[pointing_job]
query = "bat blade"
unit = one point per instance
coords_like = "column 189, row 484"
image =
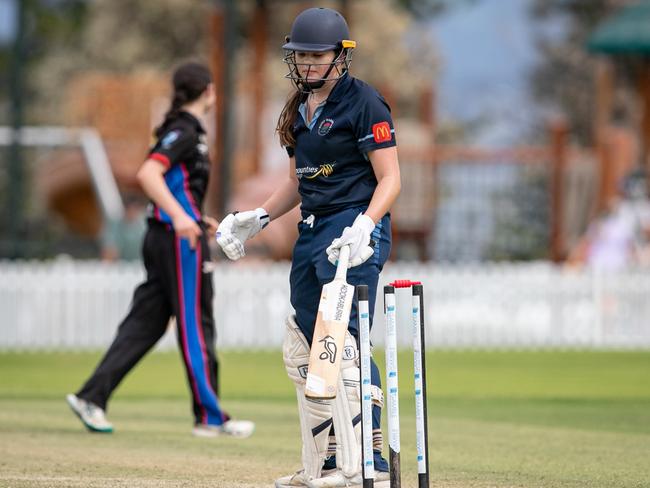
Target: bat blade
column 329, row 334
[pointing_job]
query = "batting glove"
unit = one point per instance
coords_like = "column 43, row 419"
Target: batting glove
column 236, row 228
column 358, row 238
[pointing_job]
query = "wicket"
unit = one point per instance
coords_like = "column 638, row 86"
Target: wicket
column 392, row 387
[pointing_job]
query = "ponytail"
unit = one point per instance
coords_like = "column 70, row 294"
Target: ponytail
column 179, row 99
column 190, row 80
column 288, row 118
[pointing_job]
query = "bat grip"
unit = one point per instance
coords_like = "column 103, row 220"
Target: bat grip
column 342, row 264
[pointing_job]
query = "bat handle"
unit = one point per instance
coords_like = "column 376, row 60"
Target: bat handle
column 342, row 264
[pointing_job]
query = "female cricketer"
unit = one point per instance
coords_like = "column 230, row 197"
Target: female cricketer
column 344, row 173
column 175, row 177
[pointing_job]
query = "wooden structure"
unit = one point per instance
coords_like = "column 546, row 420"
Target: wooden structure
column 99, row 100
column 624, row 36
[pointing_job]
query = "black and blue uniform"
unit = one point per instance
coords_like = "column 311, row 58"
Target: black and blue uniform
column 336, row 184
column 177, row 283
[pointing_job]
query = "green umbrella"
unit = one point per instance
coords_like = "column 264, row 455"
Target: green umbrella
column 625, row 32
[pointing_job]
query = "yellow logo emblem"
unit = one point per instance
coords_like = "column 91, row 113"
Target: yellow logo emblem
column 323, row 169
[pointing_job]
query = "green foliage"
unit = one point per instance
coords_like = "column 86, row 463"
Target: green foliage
column 46, row 21
column 47, row 25
column 5, row 58
column 429, row 8
column 522, row 221
column 565, row 78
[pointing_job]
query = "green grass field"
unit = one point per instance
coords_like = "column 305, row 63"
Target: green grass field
column 496, row 419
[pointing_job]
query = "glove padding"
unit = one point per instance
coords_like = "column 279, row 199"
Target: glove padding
column 236, row 228
column 358, row 238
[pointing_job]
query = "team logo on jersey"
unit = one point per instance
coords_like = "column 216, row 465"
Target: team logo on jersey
column 324, row 170
column 381, row 132
column 202, row 146
column 170, row 138
column 325, row 127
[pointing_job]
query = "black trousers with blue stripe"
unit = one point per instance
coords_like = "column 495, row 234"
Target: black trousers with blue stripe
column 175, row 286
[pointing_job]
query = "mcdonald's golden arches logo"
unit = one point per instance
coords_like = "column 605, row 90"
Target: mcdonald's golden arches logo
column 381, row 132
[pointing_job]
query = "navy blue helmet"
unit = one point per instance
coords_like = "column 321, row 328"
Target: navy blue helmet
column 318, row 30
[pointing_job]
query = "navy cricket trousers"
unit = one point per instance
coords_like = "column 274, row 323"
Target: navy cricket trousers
column 310, row 270
column 175, row 286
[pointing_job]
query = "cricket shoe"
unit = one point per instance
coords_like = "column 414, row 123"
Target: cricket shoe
column 233, row 428
column 92, row 416
column 299, row 478
column 337, row 479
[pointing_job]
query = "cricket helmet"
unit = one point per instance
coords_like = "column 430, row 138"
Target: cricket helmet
column 318, row 30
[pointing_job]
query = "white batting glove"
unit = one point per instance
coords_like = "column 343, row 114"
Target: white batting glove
column 230, row 245
column 358, row 238
column 237, row 228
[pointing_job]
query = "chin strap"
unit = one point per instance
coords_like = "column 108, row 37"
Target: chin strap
column 309, row 86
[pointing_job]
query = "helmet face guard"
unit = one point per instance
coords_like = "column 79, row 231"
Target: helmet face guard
column 318, row 30
column 340, row 64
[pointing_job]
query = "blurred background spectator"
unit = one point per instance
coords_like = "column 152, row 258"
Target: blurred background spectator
column 122, row 239
column 619, row 238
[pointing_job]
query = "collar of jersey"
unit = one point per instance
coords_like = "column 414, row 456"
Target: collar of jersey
column 193, row 120
column 340, row 88
column 302, row 108
column 335, row 96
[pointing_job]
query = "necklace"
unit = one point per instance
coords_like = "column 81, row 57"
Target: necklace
column 314, row 100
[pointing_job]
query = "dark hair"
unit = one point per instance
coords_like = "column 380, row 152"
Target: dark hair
column 190, row 80
column 288, row 118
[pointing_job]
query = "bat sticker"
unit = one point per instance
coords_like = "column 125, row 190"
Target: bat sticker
column 330, row 349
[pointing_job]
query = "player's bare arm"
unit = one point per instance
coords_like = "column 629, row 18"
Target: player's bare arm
column 386, row 167
column 211, row 223
column 236, row 229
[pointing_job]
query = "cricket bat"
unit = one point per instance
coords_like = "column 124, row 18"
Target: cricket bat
column 329, row 333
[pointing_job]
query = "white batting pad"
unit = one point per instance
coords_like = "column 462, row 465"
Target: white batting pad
column 347, row 408
column 315, row 415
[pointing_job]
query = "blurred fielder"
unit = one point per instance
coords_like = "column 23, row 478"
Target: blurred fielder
column 344, row 173
column 175, row 177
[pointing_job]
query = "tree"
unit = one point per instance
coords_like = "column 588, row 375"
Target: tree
column 521, row 227
column 565, row 78
column 46, row 22
column 427, row 8
column 120, row 36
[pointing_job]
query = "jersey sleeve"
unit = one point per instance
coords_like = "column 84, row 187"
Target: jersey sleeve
column 173, row 147
column 374, row 124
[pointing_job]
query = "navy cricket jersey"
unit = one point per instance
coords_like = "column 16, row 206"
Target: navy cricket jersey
column 183, row 150
column 332, row 166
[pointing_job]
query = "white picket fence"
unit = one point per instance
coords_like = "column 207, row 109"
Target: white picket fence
column 65, row 305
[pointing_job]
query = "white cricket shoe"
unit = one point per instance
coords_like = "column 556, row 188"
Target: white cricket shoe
column 337, row 479
column 299, row 478
column 382, row 479
column 233, row 428
column 90, row 414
